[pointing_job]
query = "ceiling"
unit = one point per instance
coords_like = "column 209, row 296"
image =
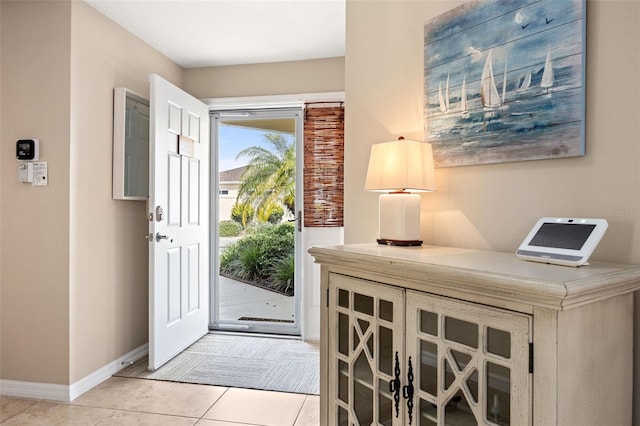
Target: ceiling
column 202, row 33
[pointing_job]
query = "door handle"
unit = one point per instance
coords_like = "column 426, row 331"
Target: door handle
column 162, row 237
column 407, row 391
column 298, row 219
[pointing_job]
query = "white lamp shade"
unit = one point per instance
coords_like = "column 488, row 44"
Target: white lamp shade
column 401, row 165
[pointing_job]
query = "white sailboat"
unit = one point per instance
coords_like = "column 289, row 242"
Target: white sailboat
column 526, row 82
column 444, row 99
column 547, row 75
column 443, row 107
column 488, row 91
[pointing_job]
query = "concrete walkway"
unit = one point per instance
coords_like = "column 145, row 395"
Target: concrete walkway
column 239, row 300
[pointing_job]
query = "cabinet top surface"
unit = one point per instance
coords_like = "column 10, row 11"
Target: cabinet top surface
column 494, row 274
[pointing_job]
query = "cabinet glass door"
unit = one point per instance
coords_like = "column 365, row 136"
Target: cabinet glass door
column 366, row 331
column 471, row 362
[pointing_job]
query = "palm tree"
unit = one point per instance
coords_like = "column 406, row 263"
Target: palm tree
column 269, row 179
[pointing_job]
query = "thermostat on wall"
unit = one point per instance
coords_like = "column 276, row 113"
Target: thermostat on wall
column 27, row 149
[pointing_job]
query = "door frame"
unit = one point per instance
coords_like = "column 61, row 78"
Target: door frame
column 216, row 118
column 310, row 302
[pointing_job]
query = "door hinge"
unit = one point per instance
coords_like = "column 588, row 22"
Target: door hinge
column 327, row 298
column 531, row 358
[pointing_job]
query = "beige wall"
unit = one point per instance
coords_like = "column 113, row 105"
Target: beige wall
column 34, row 277
column 108, row 252
column 73, row 261
column 494, row 206
column 279, row 78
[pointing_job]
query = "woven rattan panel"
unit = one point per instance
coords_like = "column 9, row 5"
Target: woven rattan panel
column 324, row 167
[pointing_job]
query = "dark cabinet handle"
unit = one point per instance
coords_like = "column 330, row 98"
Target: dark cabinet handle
column 407, row 390
column 394, row 385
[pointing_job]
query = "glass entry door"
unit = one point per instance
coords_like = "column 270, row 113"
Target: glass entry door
column 256, row 222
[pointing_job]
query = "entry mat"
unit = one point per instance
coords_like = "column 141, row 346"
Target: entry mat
column 241, row 361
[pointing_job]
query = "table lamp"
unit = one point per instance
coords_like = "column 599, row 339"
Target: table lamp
column 400, row 168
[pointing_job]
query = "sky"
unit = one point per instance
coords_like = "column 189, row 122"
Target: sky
column 233, row 140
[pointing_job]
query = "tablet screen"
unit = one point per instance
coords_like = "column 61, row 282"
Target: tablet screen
column 562, row 235
column 564, row 241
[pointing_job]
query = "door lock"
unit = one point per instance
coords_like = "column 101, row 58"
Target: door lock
column 159, row 213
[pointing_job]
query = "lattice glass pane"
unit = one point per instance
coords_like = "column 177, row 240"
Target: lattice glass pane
column 363, row 304
column 385, row 311
column 363, row 403
column 461, row 331
column 370, row 346
column 458, row 412
column 385, row 350
column 343, row 417
column 466, row 355
column 343, row 334
column 362, row 369
column 498, row 398
column 343, row 298
column 461, row 359
column 428, row 413
column 429, row 322
column 429, row 367
column 343, row 381
column 449, row 376
column 472, row 385
column 385, row 404
column 499, row 342
column 364, row 325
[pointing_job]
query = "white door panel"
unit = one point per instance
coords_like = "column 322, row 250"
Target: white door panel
column 179, row 250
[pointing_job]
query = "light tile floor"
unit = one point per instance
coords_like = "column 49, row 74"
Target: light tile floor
column 125, row 401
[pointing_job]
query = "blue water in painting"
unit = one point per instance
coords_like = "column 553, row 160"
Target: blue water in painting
column 532, row 123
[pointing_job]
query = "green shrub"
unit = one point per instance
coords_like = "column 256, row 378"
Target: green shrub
column 265, row 256
column 242, row 213
column 272, row 214
column 229, row 228
column 275, row 215
column 282, row 273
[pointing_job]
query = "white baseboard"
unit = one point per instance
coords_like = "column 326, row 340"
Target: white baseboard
column 67, row 393
column 46, row 391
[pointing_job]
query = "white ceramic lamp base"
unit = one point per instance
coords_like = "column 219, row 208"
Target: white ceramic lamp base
column 400, row 219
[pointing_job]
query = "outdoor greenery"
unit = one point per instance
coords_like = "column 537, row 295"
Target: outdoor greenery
column 243, row 214
column 269, row 180
column 229, row 228
column 264, row 257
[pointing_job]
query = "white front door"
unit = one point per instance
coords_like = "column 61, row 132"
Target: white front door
column 178, row 230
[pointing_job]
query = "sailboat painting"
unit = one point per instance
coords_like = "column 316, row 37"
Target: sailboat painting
column 504, row 81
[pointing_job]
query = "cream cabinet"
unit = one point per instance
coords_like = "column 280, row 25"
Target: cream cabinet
column 445, row 336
